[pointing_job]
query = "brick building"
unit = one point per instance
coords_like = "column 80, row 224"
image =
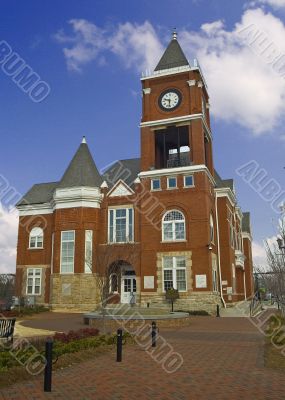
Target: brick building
column 145, row 225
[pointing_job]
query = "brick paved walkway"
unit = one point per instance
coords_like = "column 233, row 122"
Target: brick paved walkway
column 223, row 359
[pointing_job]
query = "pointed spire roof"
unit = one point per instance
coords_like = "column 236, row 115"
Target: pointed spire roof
column 173, row 56
column 82, row 170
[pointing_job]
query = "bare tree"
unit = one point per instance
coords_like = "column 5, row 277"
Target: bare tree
column 106, row 262
column 275, row 274
column 7, row 287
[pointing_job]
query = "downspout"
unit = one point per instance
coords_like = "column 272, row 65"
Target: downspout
column 219, row 257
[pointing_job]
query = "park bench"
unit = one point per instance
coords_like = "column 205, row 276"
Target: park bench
column 7, row 326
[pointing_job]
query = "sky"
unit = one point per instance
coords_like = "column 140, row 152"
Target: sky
column 89, row 55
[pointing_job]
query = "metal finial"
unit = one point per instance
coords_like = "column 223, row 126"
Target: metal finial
column 83, row 139
column 174, row 34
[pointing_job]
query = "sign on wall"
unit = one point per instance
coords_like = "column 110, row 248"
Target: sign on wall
column 201, row 281
column 148, row 282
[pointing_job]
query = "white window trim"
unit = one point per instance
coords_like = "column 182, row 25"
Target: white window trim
column 87, row 269
column 36, row 236
column 173, row 222
column 184, row 181
column 72, row 272
column 114, row 208
column 172, row 188
column 174, row 275
column 212, row 229
column 152, row 188
column 34, row 280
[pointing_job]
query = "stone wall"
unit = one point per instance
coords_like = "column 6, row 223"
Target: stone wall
column 75, row 291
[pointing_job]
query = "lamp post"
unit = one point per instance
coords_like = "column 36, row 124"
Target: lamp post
column 281, row 246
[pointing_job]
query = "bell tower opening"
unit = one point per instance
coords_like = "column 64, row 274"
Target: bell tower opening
column 172, row 147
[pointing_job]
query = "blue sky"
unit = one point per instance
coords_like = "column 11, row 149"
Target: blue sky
column 91, row 54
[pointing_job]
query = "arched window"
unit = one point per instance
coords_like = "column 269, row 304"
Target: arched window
column 212, row 231
column 36, row 238
column 173, row 226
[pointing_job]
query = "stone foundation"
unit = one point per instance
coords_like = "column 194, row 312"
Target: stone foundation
column 206, row 301
column 74, row 291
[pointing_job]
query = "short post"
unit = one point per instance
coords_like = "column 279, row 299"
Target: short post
column 48, row 367
column 119, row 345
column 153, row 334
column 218, row 310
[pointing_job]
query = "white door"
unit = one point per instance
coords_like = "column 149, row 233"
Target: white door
column 129, row 288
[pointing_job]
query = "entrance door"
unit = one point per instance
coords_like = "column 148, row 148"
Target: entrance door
column 129, row 289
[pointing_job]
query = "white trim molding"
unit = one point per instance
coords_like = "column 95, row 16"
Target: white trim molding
column 226, row 192
column 120, row 189
column 246, row 235
column 77, row 197
column 147, row 91
column 35, row 209
column 177, row 171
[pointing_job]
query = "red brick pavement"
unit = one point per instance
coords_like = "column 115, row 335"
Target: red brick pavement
column 223, row 359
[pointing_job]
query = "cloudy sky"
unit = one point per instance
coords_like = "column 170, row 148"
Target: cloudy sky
column 91, row 54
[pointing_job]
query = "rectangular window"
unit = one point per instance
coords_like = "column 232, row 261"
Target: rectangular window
column 214, row 275
column 171, row 183
column 155, row 184
column 174, row 273
column 67, row 252
column 34, row 279
column 188, row 181
column 121, row 225
column 88, row 251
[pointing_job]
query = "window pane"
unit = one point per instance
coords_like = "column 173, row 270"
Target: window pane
column 111, row 226
column 30, row 290
column 180, row 262
column 174, row 216
column 37, row 289
column 179, row 230
column 168, row 279
column 32, row 242
column 168, row 262
column 155, row 184
column 172, row 182
column 188, row 180
column 167, row 231
column 181, row 279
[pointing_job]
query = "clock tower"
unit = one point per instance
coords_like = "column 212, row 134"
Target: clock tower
column 177, row 170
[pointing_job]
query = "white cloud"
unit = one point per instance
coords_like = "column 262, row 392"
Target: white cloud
column 243, row 86
column 272, row 3
column 138, row 46
column 259, row 254
column 8, row 239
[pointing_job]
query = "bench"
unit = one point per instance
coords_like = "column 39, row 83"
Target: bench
column 7, row 326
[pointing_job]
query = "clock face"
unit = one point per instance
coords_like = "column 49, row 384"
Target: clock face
column 169, row 99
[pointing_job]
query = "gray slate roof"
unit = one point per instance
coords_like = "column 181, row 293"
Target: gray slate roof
column 127, row 170
column 82, row 170
column 223, row 183
column 39, row 194
column 172, row 57
column 246, row 222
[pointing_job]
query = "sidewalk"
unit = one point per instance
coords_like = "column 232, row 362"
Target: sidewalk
column 223, row 359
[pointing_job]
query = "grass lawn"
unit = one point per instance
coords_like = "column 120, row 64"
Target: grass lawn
column 275, row 343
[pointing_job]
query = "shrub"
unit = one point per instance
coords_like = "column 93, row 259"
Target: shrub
column 76, row 335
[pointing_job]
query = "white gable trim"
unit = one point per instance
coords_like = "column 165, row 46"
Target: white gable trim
column 120, row 189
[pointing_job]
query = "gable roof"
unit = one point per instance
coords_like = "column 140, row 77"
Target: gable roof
column 172, row 57
column 223, row 183
column 127, row 170
column 246, row 222
column 82, row 170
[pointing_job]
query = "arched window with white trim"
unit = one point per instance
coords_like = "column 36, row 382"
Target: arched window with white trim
column 36, row 238
column 173, row 226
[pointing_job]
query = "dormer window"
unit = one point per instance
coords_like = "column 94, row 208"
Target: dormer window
column 36, row 240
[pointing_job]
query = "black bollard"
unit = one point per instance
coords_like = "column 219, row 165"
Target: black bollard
column 218, row 310
column 153, row 334
column 48, row 367
column 119, row 345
